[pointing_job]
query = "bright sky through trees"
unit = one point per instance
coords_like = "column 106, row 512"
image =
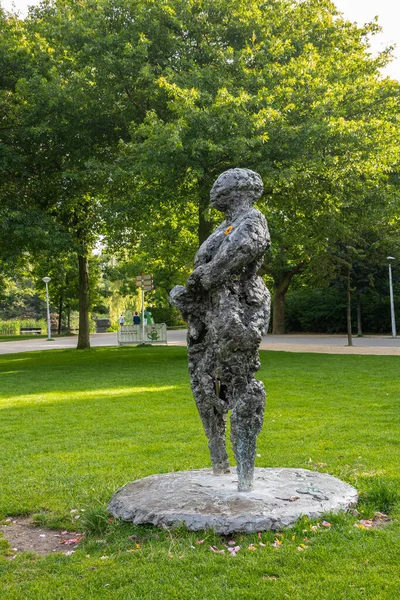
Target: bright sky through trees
column 362, row 11
column 388, row 12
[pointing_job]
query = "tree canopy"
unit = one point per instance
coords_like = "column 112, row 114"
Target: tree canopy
column 119, row 115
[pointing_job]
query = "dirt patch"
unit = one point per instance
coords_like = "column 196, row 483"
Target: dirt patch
column 25, row 537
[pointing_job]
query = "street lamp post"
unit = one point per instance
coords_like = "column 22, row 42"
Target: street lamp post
column 46, row 280
column 390, row 258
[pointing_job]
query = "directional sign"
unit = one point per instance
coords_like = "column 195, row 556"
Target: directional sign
column 145, row 281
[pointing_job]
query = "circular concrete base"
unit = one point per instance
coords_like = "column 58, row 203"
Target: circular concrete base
column 202, row 500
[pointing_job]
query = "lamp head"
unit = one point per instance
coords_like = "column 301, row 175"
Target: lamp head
column 390, row 258
column 46, row 279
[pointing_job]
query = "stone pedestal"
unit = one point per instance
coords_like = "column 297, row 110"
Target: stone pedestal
column 202, row 500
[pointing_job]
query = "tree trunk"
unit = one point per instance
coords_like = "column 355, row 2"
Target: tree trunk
column 68, row 319
column 83, row 337
column 349, row 333
column 359, row 322
column 205, row 224
column 60, row 309
column 281, row 286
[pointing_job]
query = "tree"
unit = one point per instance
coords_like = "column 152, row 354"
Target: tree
column 289, row 90
column 91, row 74
column 131, row 110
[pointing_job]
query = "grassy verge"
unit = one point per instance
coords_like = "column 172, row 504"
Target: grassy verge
column 77, row 425
column 18, row 338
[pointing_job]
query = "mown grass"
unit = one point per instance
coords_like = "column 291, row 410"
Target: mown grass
column 19, row 338
column 77, row 425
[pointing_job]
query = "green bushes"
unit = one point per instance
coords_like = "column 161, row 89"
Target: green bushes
column 323, row 310
column 12, row 327
column 166, row 314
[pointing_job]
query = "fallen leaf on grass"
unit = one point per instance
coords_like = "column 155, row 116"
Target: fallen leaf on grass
column 366, row 522
column 216, row 551
column 199, row 542
column 71, row 541
column 377, row 521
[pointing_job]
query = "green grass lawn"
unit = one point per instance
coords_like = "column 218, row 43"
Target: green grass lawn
column 19, row 338
column 77, row 425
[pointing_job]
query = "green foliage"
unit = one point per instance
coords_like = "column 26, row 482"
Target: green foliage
column 316, row 310
column 168, row 315
column 323, row 310
column 20, row 299
column 13, row 326
column 122, row 117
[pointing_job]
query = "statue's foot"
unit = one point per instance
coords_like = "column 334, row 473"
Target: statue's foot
column 245, row 486
column 245, row 479
column 221, row 469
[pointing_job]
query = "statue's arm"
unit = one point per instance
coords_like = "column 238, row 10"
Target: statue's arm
column 247, row 242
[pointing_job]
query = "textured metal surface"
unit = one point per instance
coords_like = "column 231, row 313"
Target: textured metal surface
column 227, row 307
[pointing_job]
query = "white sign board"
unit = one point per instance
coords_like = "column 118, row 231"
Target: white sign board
column 132, row 334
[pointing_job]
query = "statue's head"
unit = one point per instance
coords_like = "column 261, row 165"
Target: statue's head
column 236, row 187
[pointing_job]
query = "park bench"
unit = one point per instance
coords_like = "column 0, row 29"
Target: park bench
column 34, row 330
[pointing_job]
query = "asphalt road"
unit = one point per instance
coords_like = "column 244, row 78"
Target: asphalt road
column 329, row 344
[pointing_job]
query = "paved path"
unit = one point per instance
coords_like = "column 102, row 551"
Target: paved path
column 332, row 344
column 328, row 344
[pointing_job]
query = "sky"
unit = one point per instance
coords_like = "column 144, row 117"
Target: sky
column 362, row 11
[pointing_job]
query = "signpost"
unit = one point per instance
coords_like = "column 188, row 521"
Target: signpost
column 46, row 280
column 146, row 283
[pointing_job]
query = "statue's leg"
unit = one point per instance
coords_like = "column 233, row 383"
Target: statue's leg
column 214, row 423
column 213, row 415
column 246, row 422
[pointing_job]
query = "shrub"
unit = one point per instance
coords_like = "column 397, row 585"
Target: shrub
column 13, row 326
column 323, row 310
